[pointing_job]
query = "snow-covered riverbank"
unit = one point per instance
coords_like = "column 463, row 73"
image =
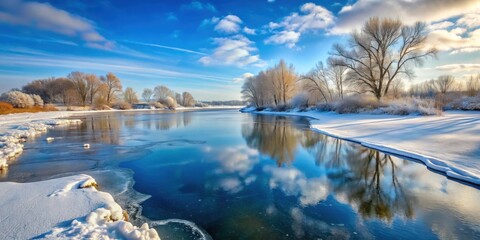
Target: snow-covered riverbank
column 63, row 208
column 449, row 143
column 66, row 208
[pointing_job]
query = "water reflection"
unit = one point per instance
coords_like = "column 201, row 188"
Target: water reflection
column 277, row 139
column 364, row 178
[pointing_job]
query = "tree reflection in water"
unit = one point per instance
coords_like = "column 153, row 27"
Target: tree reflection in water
column 273, row 136
column 365, row 178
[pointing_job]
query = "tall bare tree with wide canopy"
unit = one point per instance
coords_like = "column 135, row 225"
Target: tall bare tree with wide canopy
column 381, row 52
column 113, row 85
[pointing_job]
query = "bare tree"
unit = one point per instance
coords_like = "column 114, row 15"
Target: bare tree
column 178, row 98
column 473, row 85
column 130, row 96
column 337, row 74
column 188, row 100
column 147, row 94
column 286, row 78
column 317, row 82
column 162, row 92
column 382, row 52
column 444, row 83
column 113, row 85
column 250, row 91
column 80, row 85
column 93, row 86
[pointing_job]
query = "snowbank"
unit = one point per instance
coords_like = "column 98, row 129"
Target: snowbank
column 449, row 143
column 65, row 208
column 11, row 143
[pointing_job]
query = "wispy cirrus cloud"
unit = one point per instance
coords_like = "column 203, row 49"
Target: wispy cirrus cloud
column 198, row 6
column 164, row 47
column 459, row 67
column 46, row 17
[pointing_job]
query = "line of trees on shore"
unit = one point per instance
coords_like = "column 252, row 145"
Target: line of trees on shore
column 84, row 89
column 376, row 62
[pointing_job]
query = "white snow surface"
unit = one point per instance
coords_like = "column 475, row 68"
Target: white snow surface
column 62, row 209
column 449, row 143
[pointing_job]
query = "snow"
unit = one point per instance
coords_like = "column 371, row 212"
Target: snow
column 11, row 143
column 449, row 143
column 64, row 208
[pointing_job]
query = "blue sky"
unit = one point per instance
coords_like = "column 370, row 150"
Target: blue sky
column 208, row 47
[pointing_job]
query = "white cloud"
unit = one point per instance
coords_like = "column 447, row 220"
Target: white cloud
column 440, row 25
column 471, row 20
column 353, row 16
column 456, row 40
column 229, row 24
column 459, row 67
column 243, row 77
column 45, row 17
column 310, row 191
column 289, row 38
column 249, row 31
column 199, row 6
column 311, row 18
column 235, row 50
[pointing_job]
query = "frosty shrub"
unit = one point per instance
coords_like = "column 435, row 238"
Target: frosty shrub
column 464, row 103
column 37, row 100
column 158, row 105
column 409, row 106
column 356, row 104
column 299, row 101
column 18, row 99
column 363, row 104
column 169, row 102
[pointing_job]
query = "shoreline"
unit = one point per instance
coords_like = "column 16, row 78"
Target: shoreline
column 448, row 144
column 88, row 219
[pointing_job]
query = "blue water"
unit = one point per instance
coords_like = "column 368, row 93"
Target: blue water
column 228, row 175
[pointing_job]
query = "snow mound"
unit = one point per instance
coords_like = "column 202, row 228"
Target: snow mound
column 103, row 224
column 11, row 143
column 64, row 208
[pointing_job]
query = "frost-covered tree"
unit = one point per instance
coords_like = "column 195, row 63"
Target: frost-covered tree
column 37, row 100
column 188, row 100
column 18, row 99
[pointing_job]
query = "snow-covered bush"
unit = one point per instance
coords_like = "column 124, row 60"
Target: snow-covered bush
column 464, row 103
column 169, row 102
column 409, row 106
column 158, row 105
column 404, row 106
column 356, row 104
column 325, row 107
column 18, row 99
column 37, row 100
column 299, row 101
